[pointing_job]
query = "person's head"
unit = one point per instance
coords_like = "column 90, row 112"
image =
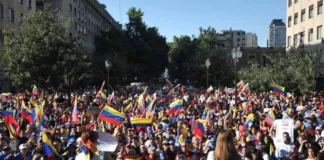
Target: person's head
column 89, row 137
column 225, row 148
column 286, row 137
column 23, row 149
column 5, row 150
column 311, row 152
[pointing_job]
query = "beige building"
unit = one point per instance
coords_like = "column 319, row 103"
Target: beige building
column 305, row 22
column 237, row 37
column 251, row 40
column 89, row 18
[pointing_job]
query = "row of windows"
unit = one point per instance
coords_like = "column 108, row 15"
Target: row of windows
column 28, row 3
column 290, row 2
column 319, row 35
column 303, row 14
column 11, row 15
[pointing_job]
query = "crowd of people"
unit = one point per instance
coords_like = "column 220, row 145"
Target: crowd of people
column 179, row 123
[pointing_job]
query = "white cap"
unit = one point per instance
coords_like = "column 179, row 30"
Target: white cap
column 23, row 146
column 79, row 139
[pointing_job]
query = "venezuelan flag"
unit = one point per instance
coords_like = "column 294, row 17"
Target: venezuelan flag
column 111, row 116
column 36, row 91
column 11, row 123
column 27, row 113
column 129, row 108
column 277, row 89
column 291, row 112
column 246, row 88
column 139, row 123
column 240, row 85
column 175, row 107
column 249, row 120
column 159, row 96
column 170, row 95
column 75, row 111
column 141, row 104
column 199, row 128
column 103, row 98
column 270, row 117
column 149, row 110
column 247, row 105
column 49, row 149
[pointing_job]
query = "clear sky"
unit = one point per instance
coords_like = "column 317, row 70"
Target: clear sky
column 184, row 17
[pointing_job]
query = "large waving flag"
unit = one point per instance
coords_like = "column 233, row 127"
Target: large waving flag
column 103, row 98
column 277, row 89
column 49, row 149
column 249, row 120
column 139, row 123
column 246, row 105
column 129, row 108
column 75, row 111
column 175, row 107
column 27, row 113
column 36, row 91
column 240, row 85
column 170, row 95
column 11, row 124
column 111, row 116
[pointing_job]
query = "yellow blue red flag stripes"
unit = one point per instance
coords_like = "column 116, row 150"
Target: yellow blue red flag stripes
column 36, row 91
column 27, row 113
column 49, row 149
column 240, row 85
column 169, row 96
column 175, row 107
column 277, row 89
column 111, row 116
column 139, row 123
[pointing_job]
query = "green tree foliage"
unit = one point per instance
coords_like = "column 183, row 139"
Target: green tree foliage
column 295, row 71
column 35, row 54
column 188, row 55
column 136, row 51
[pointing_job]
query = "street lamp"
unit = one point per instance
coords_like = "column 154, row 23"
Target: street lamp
column 236, row 55
column 108, row 66
column 69, row 58
column 207, row 63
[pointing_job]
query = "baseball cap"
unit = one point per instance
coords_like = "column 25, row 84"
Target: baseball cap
column 23, row 146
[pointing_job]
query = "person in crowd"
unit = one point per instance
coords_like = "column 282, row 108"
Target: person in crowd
column 225, row 147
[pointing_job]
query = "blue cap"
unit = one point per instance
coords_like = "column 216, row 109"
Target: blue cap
column 211, row 145
column 72, row 141
column 212, row 139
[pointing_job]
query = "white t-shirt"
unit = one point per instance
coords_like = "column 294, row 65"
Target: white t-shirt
column 210, row 155
column 282, row 149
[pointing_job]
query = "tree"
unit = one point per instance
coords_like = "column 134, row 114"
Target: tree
column 295, row 70
column 189, row 54
column 136, row 51
column 35, row 54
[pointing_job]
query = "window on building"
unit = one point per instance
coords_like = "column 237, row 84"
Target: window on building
column 75, row 25
column 20, row 16
column 319, row 32
column 289, row 3
column 289, row 21
column 289, row 41
column 302, row 16
column 11, row 15
column 20, row 1
column 295, row 39
column 1, row 10
column 70, row 8
column 79, row 14
column 296, row 18
column 238, row 33
column 311, row 11
column 238, row 39
column 296, row 1
column 302, row 37
column 75, row 12
column 251, row 59
column 310, row 35
column 28, row 3
column 320, row 7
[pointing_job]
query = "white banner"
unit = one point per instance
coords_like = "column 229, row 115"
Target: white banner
column 107, row 142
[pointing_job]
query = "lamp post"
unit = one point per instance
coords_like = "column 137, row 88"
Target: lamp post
column 108, row 66
column 69, row 58
column 236, row 55
column 207, row 63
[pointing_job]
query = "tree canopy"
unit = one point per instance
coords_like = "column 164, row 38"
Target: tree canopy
column 295, row 71
column 188, row 56
column 136, row 51
column 36, row 53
